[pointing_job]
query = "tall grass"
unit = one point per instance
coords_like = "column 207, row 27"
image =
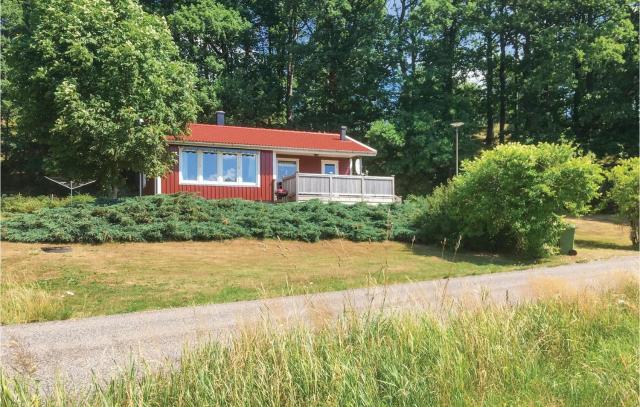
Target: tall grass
column 578, row 351
column 26, row 302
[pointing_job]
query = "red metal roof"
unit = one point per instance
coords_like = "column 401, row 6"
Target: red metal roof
column 273, row 139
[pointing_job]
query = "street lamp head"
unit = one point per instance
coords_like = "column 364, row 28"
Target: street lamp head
column 457, row 124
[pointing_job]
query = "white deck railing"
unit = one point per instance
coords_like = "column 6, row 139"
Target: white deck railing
column 340, row 188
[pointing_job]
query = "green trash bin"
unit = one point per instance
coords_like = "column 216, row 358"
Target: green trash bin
column 566, row 239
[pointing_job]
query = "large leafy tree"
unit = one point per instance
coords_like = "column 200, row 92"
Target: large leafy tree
column 533, row 71
column 576, row 73
column 208, row 35
column 99, row 85
column 267, row 70
column 346, row 67
column 18, row 162
column 10, row 26
column 434, row 90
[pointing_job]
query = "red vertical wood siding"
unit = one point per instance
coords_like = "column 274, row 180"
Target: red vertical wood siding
column 263, row 192
column 313, row 164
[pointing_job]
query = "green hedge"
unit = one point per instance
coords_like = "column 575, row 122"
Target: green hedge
column 188, row 217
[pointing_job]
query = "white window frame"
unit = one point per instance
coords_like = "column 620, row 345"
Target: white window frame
column 257, row 155
column 335, row 162
column 220, row 170
column 198, row 166
column 285, row 159
column 201, row 167
column 220, row 152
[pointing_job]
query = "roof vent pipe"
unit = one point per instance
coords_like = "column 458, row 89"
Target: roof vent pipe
column 343, row 133
column 220, row 118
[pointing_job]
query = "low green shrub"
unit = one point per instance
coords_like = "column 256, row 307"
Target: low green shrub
column 513, row 198
column 188, row 217
column 625, row 193
column 30, row 204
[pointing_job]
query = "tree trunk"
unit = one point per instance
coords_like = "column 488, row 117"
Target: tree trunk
column 516, row 80
column 292, row 36
column 525, row 100
column 450, row 44
column 577, row 100
column 400, row 40
column 289, row 93
column 502, row 74
column 489, row 84
column 634, row 232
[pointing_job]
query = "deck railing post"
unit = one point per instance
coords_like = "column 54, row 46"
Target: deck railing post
column 330, row 186
column 393, row 185
column 362, row 188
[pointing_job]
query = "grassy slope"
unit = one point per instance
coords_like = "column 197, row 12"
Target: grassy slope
column 601, row 232
column 115, row 278
column 577, row 350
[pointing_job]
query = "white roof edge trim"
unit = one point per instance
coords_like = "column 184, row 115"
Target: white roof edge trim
column 284, row 150
column 363, row 145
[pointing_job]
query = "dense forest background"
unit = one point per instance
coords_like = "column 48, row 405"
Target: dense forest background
column 398, row 72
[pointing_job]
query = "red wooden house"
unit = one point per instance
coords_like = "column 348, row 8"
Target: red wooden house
column 218, row 161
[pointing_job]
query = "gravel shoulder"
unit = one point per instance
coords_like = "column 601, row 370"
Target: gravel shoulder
column 76, row 350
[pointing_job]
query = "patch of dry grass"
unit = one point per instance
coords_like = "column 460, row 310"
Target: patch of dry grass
column 23, row 301
column 551, row 287
column 604, row 232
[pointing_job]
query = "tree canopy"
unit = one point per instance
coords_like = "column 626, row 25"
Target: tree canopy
column 98, row 85
column 396, row 72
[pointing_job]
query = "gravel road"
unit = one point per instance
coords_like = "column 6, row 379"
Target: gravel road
column 74, row 350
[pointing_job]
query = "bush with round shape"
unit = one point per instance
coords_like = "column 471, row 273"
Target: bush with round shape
column 513, row 198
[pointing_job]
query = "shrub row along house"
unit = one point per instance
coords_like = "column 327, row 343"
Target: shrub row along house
column 218, row 161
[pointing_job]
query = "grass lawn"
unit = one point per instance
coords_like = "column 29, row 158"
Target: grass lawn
column 116, row 278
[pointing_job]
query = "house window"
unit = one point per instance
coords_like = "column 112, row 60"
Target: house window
column 249, row 171
column 211, row 166
column 189, row 161
column 229, row 167
column 329, row 167
column 286, row 168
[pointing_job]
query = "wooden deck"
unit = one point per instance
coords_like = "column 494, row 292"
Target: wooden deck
column 340, row 188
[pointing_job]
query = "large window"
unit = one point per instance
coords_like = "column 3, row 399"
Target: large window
column 218, row 166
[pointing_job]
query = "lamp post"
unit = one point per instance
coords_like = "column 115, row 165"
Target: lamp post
column 457, row 125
